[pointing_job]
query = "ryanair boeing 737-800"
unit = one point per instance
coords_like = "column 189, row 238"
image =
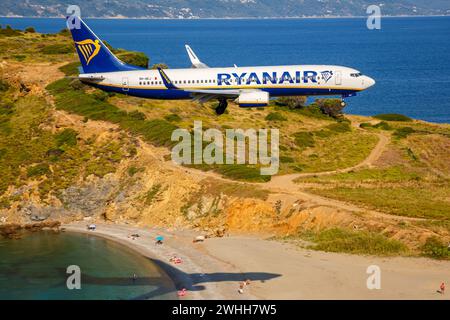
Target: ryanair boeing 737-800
column 247, row 86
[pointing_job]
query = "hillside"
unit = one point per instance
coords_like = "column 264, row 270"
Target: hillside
column 221, row 8
column 72, row 153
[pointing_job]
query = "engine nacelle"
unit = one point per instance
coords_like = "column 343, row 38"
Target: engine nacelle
column 253, row 99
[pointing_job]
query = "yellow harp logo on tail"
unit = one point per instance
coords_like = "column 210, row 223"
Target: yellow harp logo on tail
column 89, row 49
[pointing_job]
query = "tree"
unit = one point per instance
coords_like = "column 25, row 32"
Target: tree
column 295, row 102
column 330, row 107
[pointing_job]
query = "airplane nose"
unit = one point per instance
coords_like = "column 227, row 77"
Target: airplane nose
column 369, row 82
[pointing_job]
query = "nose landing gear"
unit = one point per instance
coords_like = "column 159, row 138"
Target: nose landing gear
column 222, row 106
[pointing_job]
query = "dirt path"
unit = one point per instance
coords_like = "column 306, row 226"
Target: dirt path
column 284, row 188
column 287, row 181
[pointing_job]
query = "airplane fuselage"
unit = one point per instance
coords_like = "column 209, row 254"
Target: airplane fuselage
column 305, row 80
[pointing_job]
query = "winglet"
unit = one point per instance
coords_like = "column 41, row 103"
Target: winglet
column 196, row 63
column 167, row 82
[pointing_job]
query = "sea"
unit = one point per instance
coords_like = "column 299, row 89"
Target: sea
column 36, row 267
column 408, row 57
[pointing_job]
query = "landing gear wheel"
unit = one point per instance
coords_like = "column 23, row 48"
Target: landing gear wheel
column 221, row 107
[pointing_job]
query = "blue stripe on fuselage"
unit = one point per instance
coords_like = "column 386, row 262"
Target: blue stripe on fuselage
column 170, row 94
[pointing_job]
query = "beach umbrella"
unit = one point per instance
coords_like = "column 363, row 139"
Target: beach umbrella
column 159, row 238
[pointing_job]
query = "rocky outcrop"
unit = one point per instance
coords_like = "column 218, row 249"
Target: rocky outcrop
column 14, row 230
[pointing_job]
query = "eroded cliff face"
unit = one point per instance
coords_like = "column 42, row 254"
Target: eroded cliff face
column 119, row 178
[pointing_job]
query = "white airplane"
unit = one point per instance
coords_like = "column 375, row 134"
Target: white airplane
column 247, row 86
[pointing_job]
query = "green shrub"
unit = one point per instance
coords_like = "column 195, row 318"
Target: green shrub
column 284, row 159
column 356, row 242
column 70, row 69
column 403, row 132
column 66, row 137
column 173, row 117
column 365, row 125
column 9, row 32
column 339, row 127
column 242, row 172
column 100, row 95
column 393, row 117
column 4, row 86
column 275, row 116
column 30, row 30
column 64, row 32
column 435, row 248
column 99, row 168
column 152, row 193
column 133, row 170
column 57, row 49
column 411, row 154
column 292, row 102
column 5, row 203
column 134, row 58
column 304, row 139
column 383, row 125
column 324, row 133
column 19, row 57
column 137, row 115
column 38, row 170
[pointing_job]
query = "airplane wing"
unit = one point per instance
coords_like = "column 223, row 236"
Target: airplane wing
column 202, row 95
column 196, row 63
column 216, row 92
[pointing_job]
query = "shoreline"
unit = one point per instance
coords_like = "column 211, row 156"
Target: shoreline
column 233, row 18
column 277, row 270
column 187, row 275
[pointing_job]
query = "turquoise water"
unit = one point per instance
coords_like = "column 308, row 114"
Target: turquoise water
column 409, row 57
column 34, row 267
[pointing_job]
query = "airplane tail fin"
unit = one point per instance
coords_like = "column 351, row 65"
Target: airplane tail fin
column 95, row 57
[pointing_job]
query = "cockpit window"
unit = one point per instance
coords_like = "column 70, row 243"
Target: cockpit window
column 356, row 75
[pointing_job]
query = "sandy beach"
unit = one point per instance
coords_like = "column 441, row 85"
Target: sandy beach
column 214, row 268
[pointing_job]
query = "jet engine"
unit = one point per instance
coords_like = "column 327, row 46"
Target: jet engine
column 253, row 99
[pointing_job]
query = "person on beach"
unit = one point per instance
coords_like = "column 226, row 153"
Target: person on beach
column 241, row 287
column 442, row 288
column 134, row 277
column 182, row 292
column 159, row 240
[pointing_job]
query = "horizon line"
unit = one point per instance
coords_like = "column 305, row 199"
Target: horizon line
column 228, row 18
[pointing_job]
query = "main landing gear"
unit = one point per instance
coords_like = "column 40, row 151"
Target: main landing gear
column 222, row 106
